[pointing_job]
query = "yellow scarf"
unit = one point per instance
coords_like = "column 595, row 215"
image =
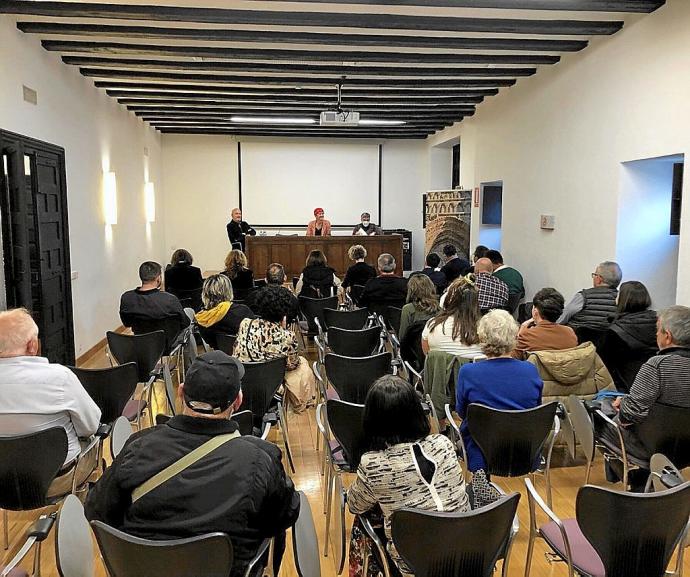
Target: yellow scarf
column 212, row 316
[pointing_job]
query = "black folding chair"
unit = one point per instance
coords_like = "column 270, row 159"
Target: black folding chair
column 356, row 292
column 312, row 309
column 226, row 343
column 351, row 320
column 189, row 298
column 260, row 385
column 352, row 377
column 617, row 534
column 354, row 343
column 210, row 555
column 392, row 317
column 305, row 543
column 171, row 326
column 471, row 545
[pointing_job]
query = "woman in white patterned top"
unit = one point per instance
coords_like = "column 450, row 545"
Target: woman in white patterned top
column 407, row 467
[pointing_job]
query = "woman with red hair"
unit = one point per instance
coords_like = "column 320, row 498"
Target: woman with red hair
column 319, row 226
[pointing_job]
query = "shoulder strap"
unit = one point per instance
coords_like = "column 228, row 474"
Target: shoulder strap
column 180, row 465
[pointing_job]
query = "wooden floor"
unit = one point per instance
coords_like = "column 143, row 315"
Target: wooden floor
column 566, row 479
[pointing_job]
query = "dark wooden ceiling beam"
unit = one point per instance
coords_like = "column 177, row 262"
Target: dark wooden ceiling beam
column 639, row 6
column 301, row 68
column 320, row 19
column 292, row 111
column 322, row 103
column 289, row 113
column 181, row 99
column 293, row 80
column 267, row 36
column 314, row 128
column 279, row 134
column 328, row 92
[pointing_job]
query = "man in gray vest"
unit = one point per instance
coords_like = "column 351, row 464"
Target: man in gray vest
column 595, row 307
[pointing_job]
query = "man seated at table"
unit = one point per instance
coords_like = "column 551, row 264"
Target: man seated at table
column 366, row 227
column 385, row 290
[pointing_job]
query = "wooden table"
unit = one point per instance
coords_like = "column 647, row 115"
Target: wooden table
column 292, row 251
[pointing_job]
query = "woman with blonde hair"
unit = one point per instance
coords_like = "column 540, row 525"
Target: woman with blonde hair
column 454, row 329
column 422, row 303
column 240, row 276
column 500, row 382
column 219, row 314
column 360, row 272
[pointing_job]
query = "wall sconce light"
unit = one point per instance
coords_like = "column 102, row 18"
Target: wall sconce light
column 150, row 202
column 110, row 197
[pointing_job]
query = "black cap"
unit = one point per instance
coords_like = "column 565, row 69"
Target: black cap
column 213, row 382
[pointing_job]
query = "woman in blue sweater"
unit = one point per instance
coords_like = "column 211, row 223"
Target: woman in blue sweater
column 500, row 382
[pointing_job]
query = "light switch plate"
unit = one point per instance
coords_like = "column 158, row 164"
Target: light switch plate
column 547, row 221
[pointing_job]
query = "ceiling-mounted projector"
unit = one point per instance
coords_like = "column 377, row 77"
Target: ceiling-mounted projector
column 339, row 118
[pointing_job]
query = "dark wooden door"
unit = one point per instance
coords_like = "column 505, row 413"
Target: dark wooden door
column 38, row 276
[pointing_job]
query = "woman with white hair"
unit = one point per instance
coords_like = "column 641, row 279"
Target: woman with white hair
column 500, row 382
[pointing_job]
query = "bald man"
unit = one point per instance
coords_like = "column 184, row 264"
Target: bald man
column 238, row 229
column 35, row 394
column 493, row 292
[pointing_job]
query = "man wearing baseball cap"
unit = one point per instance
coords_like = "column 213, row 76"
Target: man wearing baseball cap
column 227, row 483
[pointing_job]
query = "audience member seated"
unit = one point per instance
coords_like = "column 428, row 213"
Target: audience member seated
column 455, row 266
column 493, row 292
column 148, row 303
column 406, row 465
column 275, row 277
column 360, row 272
column 181, row 278
column 220, row 314
column 433, row 271
column 479, row 252
column 36, row 395
column 664, row 378
column 542, row 332
column 318, row 280
column 454, row 329
column 631, row 339
column 422, row 303
column 267, row 337
column 594, row 308
column 510, row 276
column 240, row 276
column 387, row 289
column 500, row 382
column 238, row 488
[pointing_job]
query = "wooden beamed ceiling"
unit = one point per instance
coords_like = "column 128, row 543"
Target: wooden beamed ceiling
column 194, row 66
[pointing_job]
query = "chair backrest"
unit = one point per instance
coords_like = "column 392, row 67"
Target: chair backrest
column 191, row 297
column 260, row 283
column 511, row 441
column 245, row 421
column 666, row 430
column 352, row 377
column 225, row 343
column 590, row 334
column 471, row 542
column 633, row 533
column 144, row 350
column 381, row 307
column 359, row 343
column 109, row 388
column 311, row 308
column 28, row 464
column 74, row 544
column 345, row 422
column 171, row 326
column 259, row 384
column 352, row 320
column 582, row 425
column 305, row 543
column 411, row 346
column 392, row 317
column 356, row 292
column 210, row 555
column 122, row 430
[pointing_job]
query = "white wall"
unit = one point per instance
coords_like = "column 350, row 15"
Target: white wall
column 557, row 142
column 200, row 179
column 97, row 134
column 645, row 249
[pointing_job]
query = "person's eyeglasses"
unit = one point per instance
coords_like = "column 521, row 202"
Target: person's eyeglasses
column 596, row 274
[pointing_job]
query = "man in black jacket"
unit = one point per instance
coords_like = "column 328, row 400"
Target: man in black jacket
column 238, row 229
column 385, row 290
column 240, row 488
column 455, row 266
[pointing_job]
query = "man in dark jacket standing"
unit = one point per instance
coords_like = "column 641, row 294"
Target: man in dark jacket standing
column 238, row 488
column 238, row 229
column 455, row 266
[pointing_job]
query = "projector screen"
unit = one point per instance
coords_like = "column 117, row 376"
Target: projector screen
column 282, row 183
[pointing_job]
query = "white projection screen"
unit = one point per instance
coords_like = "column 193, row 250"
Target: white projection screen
column 282, row 183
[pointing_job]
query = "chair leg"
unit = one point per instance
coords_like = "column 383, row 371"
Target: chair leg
column 37, row 561
column 5, row 529
column 530, row 553
column 329, row 499
column 589, row 470
column 283, row 431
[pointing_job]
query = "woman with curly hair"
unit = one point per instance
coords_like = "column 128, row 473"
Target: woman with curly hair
column 267, row 337
column 240, row 276
column 360, row 272
column 220, row 314
column 422, row 302
column 501, row 381
column 454, row 329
